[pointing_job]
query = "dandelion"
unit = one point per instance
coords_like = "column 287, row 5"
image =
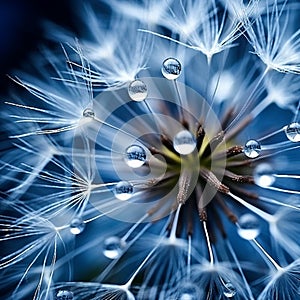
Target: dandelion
column 273, row 40
column 153, row 156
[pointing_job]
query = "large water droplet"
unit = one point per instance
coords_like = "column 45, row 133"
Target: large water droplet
column 137, row 90
column 264, row 175
column 123, row 190
column 252, row 149
column 88, row 113
column 292, row 132
column 229, row 290
column 184, row 142
column 64, row 295
column 188, row 291
column 113, row 247
column 171, row 68
column 135, row 156
column 77, row 226
column 249, row 227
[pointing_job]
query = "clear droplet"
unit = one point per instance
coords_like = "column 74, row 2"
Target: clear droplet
column 249, row 227
column 77, row 225
column 123, row 190
column 264, row 175
column 188, row 291
column 252, row 149
column 171, row 68
column 135, row 156
column 88, row 113
column 137, row 90
column 292, row 132
column 229, row 290
column 64, row 295
column 184, row 142
column 113, row 247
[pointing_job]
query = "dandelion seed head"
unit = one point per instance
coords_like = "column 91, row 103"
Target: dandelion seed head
column 283, row 284
column 215, row 282
column 154, row 151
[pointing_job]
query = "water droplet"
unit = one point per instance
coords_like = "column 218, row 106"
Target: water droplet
column 113, row 247
column 77, row 226
column 188, row 291
column 135, row 156
column 292, row 132
column 229, row 290
column 123, row 190
column 137, row 90
column 184, row 142
column 249, row 227
column 64, row 295
column 88, row 113
column 171, row 68
column 263, row 175
column 252, row 149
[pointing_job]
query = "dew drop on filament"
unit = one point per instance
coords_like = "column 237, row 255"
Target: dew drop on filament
column 77, row 226
column 113, row 247
column 292, row 132
column 123, row 190
column 64, row 295
column 263, row 175
column 135, row 156
column 249, row 227
column 252, row 149
column 171, row 68
column 184, row 142
column 229, row 290
column 188, row 291
column 88, row 113
column 137, row 90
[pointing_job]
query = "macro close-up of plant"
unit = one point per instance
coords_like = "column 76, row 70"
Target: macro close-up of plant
column 154, row 154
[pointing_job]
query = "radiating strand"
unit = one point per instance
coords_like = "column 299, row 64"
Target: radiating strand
column 268, row 257
column 256, row 210
column 232, row 252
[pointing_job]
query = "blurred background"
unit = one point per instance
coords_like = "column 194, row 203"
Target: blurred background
column 21, row 30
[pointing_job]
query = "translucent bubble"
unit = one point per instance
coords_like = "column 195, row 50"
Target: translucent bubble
column 252, row 149
column 292, row 132
column 263, row 175
column 88, row 113
column 229, row 290
column 222, row 85
column 137, row 90
column 64, row 295
column 135, row 156
column 123, row 190
column 171, row 68
column 77, row 226
column 249, row 227
column 184, row 142
column 113, row 247
column 188, row 291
